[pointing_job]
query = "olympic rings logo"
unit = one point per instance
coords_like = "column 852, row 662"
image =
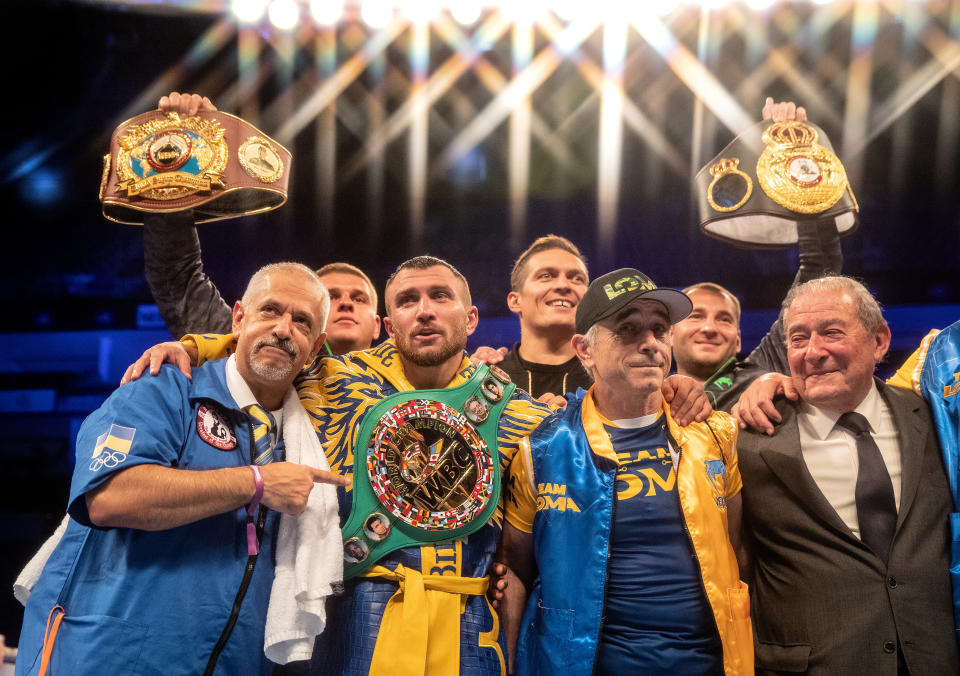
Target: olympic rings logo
column 107, row 459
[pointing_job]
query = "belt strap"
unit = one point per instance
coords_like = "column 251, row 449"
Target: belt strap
column 420, row 631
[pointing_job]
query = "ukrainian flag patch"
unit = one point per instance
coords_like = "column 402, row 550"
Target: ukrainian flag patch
column 112, row 447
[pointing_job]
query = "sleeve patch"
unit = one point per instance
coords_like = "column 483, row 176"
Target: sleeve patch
column 112, row 447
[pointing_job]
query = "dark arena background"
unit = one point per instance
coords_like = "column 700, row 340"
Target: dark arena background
column 459, row 129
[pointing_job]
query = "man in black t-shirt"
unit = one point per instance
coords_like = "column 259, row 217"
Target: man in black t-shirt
column 706, row 343
column 550, row 276
column 546, row 284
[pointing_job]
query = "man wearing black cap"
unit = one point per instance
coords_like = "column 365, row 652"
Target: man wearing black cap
column 624, row 513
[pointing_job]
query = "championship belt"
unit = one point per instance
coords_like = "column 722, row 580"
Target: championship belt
column 432, row 468
column 768, row 179
column 212, row 162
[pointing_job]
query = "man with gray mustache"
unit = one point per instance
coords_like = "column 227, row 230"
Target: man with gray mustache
column 167, row 563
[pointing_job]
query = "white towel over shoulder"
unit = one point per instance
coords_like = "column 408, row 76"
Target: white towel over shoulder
column 31, row 572
column 309, row 551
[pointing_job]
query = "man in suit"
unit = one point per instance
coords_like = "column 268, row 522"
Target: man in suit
column 845, row 505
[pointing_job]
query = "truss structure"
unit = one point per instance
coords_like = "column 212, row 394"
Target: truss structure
column 611, row 106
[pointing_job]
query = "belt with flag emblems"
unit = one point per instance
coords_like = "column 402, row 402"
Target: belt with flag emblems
column 432, row 469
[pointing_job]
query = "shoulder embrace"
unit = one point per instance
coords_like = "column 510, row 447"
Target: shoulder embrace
column 157, row 398
column 522, row 403
column 169, row 378
column 722, row 419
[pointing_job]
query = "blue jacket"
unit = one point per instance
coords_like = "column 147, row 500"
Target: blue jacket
column 940, row 385
column 154, row 602
column 575, row 470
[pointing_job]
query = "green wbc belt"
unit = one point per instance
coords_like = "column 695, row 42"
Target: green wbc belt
column 432, row 468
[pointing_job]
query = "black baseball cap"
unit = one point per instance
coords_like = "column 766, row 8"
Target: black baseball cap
column 615, row 290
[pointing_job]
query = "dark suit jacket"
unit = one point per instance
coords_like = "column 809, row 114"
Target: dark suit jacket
column 823, row 603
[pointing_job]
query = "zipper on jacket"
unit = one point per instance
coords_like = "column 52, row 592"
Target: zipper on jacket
column 244, row 585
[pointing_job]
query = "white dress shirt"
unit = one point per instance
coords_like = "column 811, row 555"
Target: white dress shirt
column 241, row 394
column 830, row 452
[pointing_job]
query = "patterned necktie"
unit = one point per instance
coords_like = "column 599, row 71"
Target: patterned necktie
column 263, row 424
column 876, row 506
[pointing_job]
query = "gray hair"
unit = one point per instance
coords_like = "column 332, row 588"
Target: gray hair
column 590, row 337
column 260, row 278
column 867, row 308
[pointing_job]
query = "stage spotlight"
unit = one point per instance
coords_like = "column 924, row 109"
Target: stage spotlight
column 248, row 11
column 465, row 12
column 625, row 10
column 284, row 14
column 376, row 13
column 42, row 187
column 421, row 11
column 569, row 10
column 522, row 11
column 634, row 11
column 326, row 12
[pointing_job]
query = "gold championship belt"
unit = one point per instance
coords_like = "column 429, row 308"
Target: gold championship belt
column 768, row 179
column 212, row 162
column 426, row 468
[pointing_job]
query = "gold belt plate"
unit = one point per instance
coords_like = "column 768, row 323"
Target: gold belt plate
column 798, row 173
column 171, row 158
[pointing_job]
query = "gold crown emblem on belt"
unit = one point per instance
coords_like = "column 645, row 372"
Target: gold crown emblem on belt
column 798, row 173
column 724, row 166
column 788, row 134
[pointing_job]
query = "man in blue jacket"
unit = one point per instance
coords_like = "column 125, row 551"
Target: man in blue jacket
column 167, row 562
column 624, row 513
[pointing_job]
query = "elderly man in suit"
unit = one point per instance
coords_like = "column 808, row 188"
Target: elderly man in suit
column 845, row 505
